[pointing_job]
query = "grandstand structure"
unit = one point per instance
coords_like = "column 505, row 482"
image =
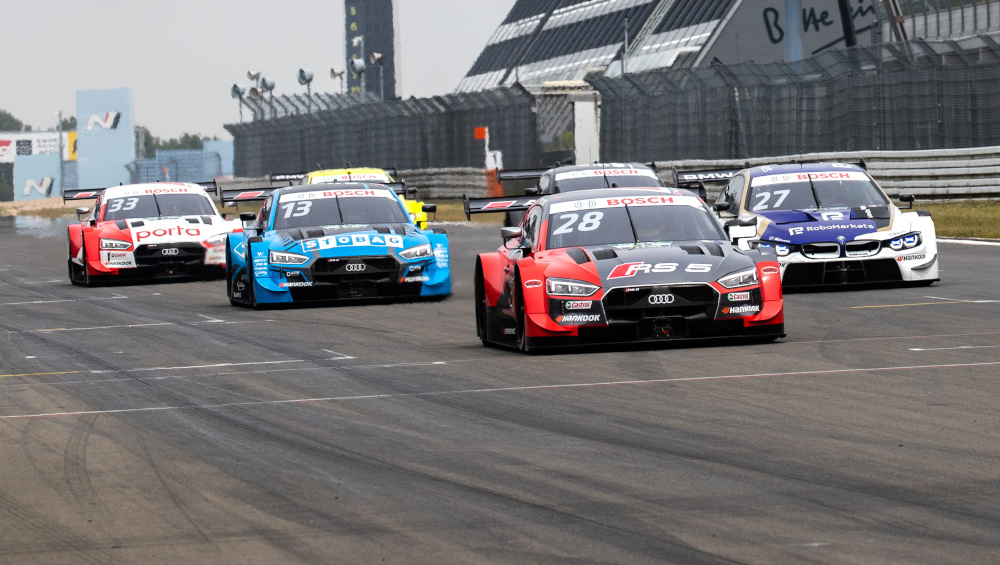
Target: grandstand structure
column 543, row 41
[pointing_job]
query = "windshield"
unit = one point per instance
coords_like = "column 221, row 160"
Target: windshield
column 604, row 178
column 158, row 205
column 312, row 209
column 813, row 191
column 631, row 224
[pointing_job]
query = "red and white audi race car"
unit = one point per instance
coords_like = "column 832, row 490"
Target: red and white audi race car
column 147, row 231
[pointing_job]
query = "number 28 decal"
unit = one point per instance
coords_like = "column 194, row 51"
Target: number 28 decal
column 591, row 221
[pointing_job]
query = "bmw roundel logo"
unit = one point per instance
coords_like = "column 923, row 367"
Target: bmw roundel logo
column 841, row 238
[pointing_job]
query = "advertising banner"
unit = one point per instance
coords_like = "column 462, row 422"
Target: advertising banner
column 36, row 176
column 105, row 138
column 13, row 144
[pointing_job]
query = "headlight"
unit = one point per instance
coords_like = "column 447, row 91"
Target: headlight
column 757, row 244
column 567, row 287
column 418, row 252
column 215, row 240
column 115, row 244
column 782, row 250
column 908, row 241
column 288, row 258
column 742, row 278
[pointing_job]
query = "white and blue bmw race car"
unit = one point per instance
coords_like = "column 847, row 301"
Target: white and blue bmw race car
column 829, row 224
column 332, row 242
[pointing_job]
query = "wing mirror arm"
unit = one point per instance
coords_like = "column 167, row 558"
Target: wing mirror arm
column 908, row 198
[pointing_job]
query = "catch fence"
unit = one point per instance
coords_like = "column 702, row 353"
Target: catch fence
column 913, row 95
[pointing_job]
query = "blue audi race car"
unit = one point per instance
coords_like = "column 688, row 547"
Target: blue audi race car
column 830, row 224
column 340, row 241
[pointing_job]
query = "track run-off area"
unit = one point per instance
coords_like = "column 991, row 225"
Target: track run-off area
column 157, row 423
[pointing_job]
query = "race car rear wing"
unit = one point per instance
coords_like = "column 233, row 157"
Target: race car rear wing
column 695, row 180
column 81, row 194
column 520, row 174
column 498, row 204
column 299, row 178
column 245, row 194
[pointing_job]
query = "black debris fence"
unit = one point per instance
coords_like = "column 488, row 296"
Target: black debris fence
column 913, row 95
column 423, row 133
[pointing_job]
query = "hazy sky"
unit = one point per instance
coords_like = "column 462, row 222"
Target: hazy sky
column 180, row 57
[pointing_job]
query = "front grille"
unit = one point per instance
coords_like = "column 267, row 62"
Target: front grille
column 862, row 248
column 825, row 250
column 346, row 269
column 169, row 254
column 632, row 304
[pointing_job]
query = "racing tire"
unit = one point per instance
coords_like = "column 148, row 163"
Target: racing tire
column 520, row 318
column 229, row 276
column 482, row 312
column 84, row 277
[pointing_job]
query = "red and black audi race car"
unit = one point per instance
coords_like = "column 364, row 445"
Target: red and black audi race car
column 622, row 265
column 147, row 231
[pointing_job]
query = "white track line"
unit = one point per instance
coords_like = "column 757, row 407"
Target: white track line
column 969, row 242
column 959, row 347
column 492, row 390
column 58, row 301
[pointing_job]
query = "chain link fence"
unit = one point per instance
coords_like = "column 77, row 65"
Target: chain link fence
column 912, row 95
column 894, row 96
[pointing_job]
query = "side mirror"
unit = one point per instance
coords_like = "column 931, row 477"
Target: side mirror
column 747, row 220
column 721, row 207
column 908, row 198
column 511, row 233
column 533, row 191
column 411, row 192
column 247, row 216
column 429, row 208
column 81, row 212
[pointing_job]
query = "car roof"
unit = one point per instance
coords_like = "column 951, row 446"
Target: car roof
column 296, row 188
column 598, row 166
column 802, row 168
column 550, row 199
column 153, row 188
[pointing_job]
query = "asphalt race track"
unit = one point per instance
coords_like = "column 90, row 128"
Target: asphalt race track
column 157, row 423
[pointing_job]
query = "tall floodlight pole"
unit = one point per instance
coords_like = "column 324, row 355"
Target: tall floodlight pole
column 847, row 20
column 793, row 30
column 625, row 51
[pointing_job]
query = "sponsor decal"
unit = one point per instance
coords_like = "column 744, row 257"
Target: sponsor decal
column 294, row 284
column 118, row 259
column 173, row 231
column 23, row 147
column 690, row 177
column 414, row 279
column 778, row 239
column 371, row 177
column 324, row 194
column 832, row 216
column 642, row 245
column 578, row 304
column 441, row 255
column 170, row 251
column 916, row 257
column 769, row 271
column 240, row 286
column 355, row 267
column 640, row 200
column 611, row 172
column 847, row 227
column 109, row 121
column 739, row 296
column 248, row 195
column 377, row 240
column 626, row 270
column 532, row 283
column 5, row 145
column 746, row 309
column 660, row 299
column 499, row 205
column 805, row 177
column 578, row 318
column 509, row 331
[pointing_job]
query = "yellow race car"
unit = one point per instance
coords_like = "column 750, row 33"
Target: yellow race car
column 361, row 174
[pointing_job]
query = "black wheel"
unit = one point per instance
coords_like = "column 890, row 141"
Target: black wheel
column 229, row 275
column 481, row 312
column 84, row 276
column 253, row 295
column 75, row 272
column 520, row 339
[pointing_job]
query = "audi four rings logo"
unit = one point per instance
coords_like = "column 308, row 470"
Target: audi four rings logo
column 170, row 251
column 661, row 298
column 356, row 267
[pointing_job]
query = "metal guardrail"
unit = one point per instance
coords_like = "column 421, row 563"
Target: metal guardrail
column 930, row 174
